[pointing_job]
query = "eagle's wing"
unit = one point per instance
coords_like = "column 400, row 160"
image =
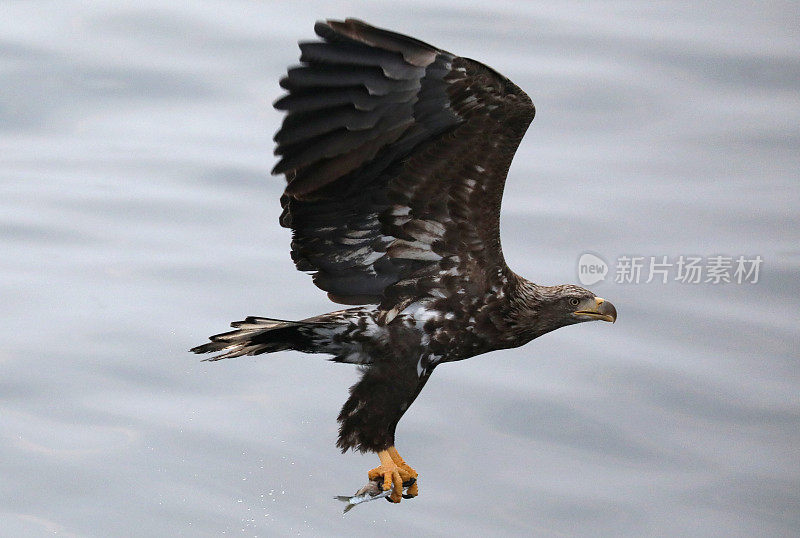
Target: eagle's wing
column 395, row 154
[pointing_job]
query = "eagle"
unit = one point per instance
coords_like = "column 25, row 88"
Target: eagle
column 395, row 154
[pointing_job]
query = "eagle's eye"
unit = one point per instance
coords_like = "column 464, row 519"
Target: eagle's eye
column 574, row 301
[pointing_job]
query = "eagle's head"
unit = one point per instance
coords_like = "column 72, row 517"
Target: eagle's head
column 547, row 308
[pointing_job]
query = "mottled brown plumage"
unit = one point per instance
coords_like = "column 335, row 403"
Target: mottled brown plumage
column 395, row 154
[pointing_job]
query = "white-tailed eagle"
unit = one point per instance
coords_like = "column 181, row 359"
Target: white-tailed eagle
column 395, row 154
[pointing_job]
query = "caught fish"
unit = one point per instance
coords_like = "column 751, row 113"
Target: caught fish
column 371, row 491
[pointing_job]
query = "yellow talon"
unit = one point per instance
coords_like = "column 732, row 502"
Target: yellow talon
column 413, row 490
column 394, row 472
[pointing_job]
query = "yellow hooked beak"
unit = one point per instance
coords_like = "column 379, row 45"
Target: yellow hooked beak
column 603, row 310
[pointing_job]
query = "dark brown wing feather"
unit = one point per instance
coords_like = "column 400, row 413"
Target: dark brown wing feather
column 395, row 154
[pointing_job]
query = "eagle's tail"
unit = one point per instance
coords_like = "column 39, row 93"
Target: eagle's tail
column 341, row 334
column 254, row 336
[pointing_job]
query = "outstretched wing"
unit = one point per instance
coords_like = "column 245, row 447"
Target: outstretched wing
column 395, row 155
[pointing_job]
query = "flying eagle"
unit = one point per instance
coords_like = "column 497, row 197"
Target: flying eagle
column 395, row 154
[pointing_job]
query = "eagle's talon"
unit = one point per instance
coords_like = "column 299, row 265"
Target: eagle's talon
column 396, row 475
column 412, row 491
column 410, row 482
column 393, row 478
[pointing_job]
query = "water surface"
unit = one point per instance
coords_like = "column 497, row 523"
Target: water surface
column 137, row 217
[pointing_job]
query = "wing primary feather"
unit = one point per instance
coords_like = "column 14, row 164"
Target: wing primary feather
column 332, row 76
column 395, row 154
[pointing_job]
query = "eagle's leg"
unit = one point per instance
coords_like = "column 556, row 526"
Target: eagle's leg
column 413, row 490
column 393, row 474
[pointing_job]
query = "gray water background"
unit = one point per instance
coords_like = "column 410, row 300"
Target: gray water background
column 137, row 217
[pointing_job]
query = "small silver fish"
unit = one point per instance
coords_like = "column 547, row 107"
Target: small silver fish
column 371, row 491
